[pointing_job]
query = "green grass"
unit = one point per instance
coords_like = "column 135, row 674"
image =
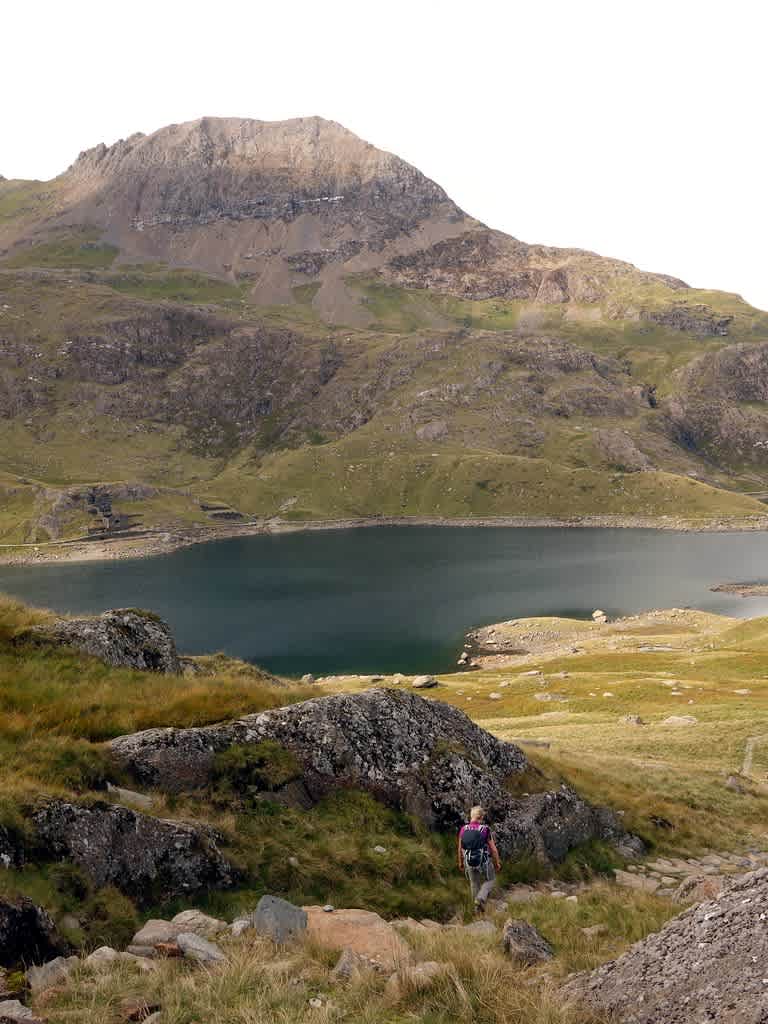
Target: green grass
column 77, row 251
column 176, row 286
column 56, row 708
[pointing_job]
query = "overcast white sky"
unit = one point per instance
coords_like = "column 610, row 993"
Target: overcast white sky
column 636, row 129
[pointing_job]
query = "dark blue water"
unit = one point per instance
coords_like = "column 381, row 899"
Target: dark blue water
column 399, row 598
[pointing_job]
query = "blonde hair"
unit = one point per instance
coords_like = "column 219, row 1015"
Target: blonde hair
column 477, row 813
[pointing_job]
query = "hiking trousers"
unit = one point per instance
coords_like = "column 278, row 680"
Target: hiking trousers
column 481, row 881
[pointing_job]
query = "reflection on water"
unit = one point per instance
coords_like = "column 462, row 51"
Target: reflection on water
column 398, row 598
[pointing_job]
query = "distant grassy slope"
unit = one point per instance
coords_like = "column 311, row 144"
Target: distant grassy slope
column 352, row 479
column 431, row 409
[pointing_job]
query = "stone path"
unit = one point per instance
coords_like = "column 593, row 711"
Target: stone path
column 668, row 877
column 664, row 875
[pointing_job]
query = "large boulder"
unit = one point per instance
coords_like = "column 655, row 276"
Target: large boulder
column 27, row 933
column 124, row 637
column 425, row 757
column 149, row 859
column 708, row 964
column 361, row 931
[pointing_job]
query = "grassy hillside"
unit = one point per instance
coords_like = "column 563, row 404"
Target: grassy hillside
column 57, row 707
column 439, row 405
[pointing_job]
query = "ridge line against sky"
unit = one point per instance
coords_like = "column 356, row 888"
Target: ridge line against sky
column 634, row 131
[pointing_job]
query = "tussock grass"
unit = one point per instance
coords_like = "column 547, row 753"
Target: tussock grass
column 263, row 985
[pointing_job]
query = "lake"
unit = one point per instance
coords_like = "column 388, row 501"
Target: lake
column 398, row 598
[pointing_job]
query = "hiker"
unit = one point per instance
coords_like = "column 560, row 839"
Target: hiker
column 478, row 857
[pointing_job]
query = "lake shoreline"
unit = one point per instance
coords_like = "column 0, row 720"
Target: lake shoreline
column 163, row 541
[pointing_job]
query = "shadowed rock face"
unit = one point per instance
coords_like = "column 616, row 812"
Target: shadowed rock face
column 708, row 964
column 423, row 756
column 27, row 934
column 149, row 859
column 121, row 637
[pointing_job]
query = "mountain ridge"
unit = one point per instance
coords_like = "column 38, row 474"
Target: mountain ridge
column 283, row 318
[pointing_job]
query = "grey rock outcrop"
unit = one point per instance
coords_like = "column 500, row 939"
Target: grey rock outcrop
column 708, row 964
column 123, row 637
column 149, row 859
column 27, row 933
column 425, row 757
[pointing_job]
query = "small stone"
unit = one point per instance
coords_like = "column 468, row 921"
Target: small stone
column 102, row 955
column 629, row 881
column 379, row 849
column 316, row 1004
column 308, row 678
column 240, row 925
column 734, row 783
column 293, row 861
column 424, row 682
column 196, row 948
column 494, row 696
column 524, row 944
column 329, row 908
column 631, row 720
column 52, row 973
column 680, row 720
column 594, row 930
column 12, row 1011
column 199, row 923
column 141, row 951
column 278, row 919
column 349, row 963
column 155, row 931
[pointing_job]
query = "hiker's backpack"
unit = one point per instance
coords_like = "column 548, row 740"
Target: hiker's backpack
column 474, row 844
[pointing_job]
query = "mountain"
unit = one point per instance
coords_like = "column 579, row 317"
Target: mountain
column 277, row 318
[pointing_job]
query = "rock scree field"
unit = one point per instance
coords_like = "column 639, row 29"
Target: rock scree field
column 188, row 839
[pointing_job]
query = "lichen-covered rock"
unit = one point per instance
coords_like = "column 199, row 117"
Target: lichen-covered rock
column 707, row 964
column 149, row 859
column 422, row 756
column 124, row 637
column 27, row 933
